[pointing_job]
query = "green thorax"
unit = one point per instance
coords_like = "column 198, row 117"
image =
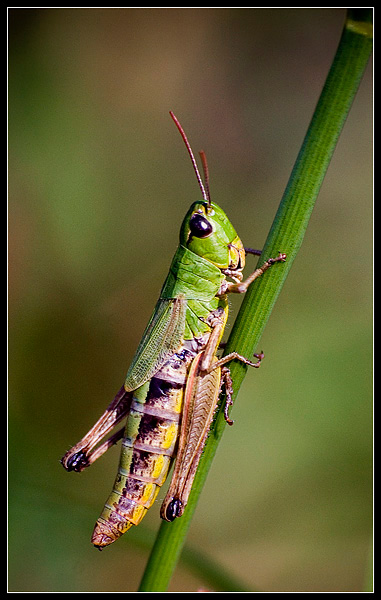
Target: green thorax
column 192, row 276
column 197, row 281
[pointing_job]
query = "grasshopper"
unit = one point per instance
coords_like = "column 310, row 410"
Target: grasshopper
column 173, row 385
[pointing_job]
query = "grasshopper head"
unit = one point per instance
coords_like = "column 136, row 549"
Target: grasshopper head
column 207, row 231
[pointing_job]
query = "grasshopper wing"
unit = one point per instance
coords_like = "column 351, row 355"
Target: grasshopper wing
column 162, row 337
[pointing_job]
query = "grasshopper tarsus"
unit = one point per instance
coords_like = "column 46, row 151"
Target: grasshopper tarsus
column 77, row 462
column 228, row 384
column 173, row 509
column 280, row 258
column 228, row 420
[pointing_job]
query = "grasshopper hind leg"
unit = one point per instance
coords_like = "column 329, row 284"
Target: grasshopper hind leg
column 84, row 453
column 174, row 509
column 76, row 462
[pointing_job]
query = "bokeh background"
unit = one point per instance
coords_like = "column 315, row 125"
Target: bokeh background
column 99, row 180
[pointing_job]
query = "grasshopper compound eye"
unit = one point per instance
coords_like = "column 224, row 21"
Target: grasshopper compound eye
column 199, row 226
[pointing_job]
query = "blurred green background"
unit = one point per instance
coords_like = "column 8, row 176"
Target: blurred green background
column 99, row 181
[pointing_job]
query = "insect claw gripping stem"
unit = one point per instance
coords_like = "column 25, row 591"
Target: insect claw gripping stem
column 280, row 258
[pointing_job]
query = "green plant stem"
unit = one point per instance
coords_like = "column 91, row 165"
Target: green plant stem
column 286, row 235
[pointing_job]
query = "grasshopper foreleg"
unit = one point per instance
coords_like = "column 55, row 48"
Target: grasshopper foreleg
column 241, row 287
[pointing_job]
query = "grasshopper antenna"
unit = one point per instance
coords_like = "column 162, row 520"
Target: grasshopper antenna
column 204, row 189
column 206, row 175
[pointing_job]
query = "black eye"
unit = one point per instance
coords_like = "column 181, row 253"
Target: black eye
column 200, row 226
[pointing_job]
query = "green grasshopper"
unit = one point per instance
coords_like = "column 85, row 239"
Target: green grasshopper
column 172, row 387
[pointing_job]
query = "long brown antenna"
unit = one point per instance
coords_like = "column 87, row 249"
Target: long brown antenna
column 206, row 174
column 205, row 193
